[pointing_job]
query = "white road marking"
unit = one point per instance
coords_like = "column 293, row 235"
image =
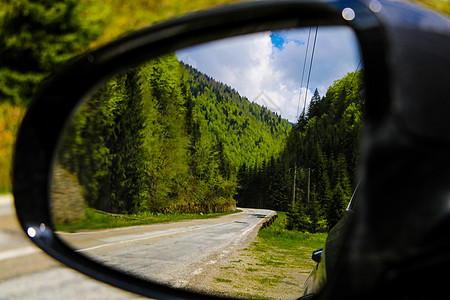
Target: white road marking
column 18, row 252
column 148, row 237
column 6, row 205
column 6, row 199
column 60, row 283
column 193, row 228
column 97, row 231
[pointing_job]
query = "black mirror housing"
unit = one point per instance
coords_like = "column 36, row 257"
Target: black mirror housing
column 393, row 98
column 317, row 255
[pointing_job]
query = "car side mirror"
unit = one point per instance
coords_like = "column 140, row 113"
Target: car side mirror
column 40, row 135
column 317, row 255
column 37, row 172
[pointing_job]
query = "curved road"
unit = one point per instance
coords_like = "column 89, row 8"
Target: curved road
column 171, row 253
column 175, row 251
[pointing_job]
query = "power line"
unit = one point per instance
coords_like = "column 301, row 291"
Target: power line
column 310, row 67
column 354, row 74
column 303, row 73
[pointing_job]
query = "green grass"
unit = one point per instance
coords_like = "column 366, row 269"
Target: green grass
column 251, row 269
column 267, row 281
column 277, row 257
column 278, row 247
column 286, row 240
column 96, row 219
column 250, row 296
column 222, row 280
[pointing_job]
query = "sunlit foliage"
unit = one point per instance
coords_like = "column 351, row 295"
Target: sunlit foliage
column 321, row 153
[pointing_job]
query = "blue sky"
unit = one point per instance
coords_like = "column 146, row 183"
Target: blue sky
column 267, row 67
column 280, row 38
column 277, row 40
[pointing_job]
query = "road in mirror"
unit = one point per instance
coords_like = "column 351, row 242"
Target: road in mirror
column 170, row 169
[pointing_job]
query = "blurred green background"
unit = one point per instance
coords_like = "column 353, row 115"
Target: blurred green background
column 38, row 36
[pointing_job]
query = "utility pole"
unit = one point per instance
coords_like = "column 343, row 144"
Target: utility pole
column 309, row 181
column 295, row 178
column 293, row 191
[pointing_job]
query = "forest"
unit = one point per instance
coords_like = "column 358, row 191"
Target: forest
column 251, row 133
column 314, row 175
column 205, row 150
column 37, row 37
column 165, row 138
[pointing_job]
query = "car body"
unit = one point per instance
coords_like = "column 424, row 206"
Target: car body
column 328, row 256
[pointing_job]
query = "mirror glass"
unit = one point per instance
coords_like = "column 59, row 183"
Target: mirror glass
column 219, row 167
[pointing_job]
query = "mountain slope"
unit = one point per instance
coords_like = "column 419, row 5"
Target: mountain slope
column 165, row 138
column 250, row 133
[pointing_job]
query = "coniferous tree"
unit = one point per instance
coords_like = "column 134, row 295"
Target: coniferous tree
column 314, row 105
column 225, row 167
column 242, row 186
column 321, row 179
column 312, row 211
column 129, row 179
column 324, row 141
column 182, row 129
column 341, row 192
column 297, row 218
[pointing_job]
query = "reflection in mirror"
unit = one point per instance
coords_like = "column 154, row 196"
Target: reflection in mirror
column 152, row 166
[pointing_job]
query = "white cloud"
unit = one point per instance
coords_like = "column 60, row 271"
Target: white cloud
column 271, row 76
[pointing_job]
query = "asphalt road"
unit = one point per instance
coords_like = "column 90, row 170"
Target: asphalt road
column 171, row 253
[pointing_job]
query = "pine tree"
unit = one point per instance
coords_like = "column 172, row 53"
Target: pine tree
column 312, row 210
column 322, row 186
column 224, row 163
column 297, row 218
column 314, row 106
column 131, row 156
column 341, row 192
column 242, row 186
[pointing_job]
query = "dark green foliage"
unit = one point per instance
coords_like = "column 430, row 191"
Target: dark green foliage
column 36, row 37
column 225, row 168
column 126, row 148
column 104, row 146
column 297, row 218
column 341, row 192
column 165, row 138
column 322, row 182
column 129, row 138
column 249, row 133
column 321, row 152
column 143, row 143
column 315, row 106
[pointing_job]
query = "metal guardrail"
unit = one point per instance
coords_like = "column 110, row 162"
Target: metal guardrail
column 269, row 220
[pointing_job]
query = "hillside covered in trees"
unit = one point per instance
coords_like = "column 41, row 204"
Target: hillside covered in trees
column 314, row 176
column 166, row 138
column 37, row 37
column 251, row 133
